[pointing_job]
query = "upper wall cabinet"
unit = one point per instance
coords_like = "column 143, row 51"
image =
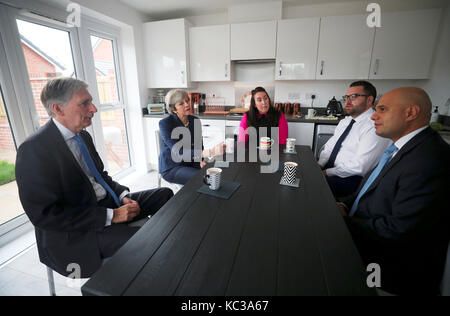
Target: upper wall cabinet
column 209, row 48
column 167, row 53
column 255, row 40
column 297, row 42
column 404, row 45
column 345, row 47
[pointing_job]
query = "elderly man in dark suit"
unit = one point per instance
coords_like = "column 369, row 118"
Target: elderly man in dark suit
column 80, row 214
column 400, row 217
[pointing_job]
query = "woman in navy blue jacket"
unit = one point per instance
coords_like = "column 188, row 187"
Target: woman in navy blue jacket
column 186, row 164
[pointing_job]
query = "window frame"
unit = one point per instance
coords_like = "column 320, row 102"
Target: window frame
column 16, row 87
column 89, row 28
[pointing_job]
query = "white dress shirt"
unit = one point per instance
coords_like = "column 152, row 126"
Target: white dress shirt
column 405, row 139
column 360, row 151
column 100, row 191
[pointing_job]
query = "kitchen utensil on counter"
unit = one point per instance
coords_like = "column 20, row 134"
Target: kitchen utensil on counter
column 239, row 110
column 334, row 107
column 279, row 106
column 296, row 109
column 216, row 109
column 287, row 108
column 159, row 97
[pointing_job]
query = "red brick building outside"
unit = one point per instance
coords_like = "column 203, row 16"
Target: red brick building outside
column 42, row 68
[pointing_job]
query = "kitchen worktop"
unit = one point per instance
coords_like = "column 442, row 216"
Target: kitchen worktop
column 289, row 118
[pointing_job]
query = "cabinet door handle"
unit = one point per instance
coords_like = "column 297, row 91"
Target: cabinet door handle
column 322, row 63
column 207, row 125
column 226, row 70
column 377, row 66
column 280, row 68
column 182, row 76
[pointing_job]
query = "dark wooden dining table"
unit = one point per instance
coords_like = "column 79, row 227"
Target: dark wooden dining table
column 265, row 240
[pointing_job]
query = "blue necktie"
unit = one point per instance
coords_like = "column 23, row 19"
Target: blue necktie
column 90, row 163
column 383, row 161
column 337, row 147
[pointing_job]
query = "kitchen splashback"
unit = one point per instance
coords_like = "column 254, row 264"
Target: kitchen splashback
column 242, row 91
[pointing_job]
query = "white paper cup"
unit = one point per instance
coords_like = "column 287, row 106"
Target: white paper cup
column 290, row 172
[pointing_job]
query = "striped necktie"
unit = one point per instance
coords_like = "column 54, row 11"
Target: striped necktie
column 91, row 165
column 383, row 161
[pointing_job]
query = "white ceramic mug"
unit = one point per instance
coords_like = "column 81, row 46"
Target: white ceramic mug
column 290, row 144
column 311, row 113
column 290, row 172
column 265, row 143
column 212, row 178
column 229, row 142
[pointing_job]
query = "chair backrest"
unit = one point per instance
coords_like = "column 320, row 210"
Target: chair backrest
column 158, row 142
column 445, row 285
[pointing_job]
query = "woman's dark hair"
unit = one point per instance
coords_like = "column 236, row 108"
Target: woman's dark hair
column 273, row 115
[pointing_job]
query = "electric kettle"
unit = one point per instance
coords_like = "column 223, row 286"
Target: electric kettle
column 334, row 107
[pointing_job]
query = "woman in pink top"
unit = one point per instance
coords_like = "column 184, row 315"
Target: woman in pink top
column 263, row 114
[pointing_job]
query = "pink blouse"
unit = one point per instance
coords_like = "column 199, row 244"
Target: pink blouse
column 282, row 126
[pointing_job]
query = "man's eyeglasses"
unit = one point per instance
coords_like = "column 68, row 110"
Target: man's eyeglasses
column 353, row 97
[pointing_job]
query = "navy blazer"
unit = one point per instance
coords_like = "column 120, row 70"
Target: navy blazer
column 60, row 201
column 166, row 126
column 403, row 219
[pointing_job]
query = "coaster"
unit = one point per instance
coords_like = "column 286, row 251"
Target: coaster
column 296, row 184
column 222, row 164
column 289, row 152
column 227, row 188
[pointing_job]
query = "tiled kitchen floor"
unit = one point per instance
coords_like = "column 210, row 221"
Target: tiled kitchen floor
column 25, row 275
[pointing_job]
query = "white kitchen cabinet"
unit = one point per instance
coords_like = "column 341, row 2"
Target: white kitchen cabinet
column 302, row 132
column 167, row 53
column 151, row 124
column 256, row 40
column 297, row 41
column 209, row 48
column 404, row 45
column 345, row 48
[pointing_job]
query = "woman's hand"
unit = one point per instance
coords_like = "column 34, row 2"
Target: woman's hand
column 219, row 149
column 203, row 164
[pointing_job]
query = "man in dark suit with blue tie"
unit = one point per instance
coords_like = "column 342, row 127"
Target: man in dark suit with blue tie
column 80, row 214
column 400, row 218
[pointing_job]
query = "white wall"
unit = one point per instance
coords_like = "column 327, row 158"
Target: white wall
column 439, row 85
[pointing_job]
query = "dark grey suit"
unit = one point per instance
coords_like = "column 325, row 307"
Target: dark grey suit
column 403, row 219
column 61, row 203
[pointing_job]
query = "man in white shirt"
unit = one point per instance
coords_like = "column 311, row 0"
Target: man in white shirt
column 354, row 148
column 79, row 212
